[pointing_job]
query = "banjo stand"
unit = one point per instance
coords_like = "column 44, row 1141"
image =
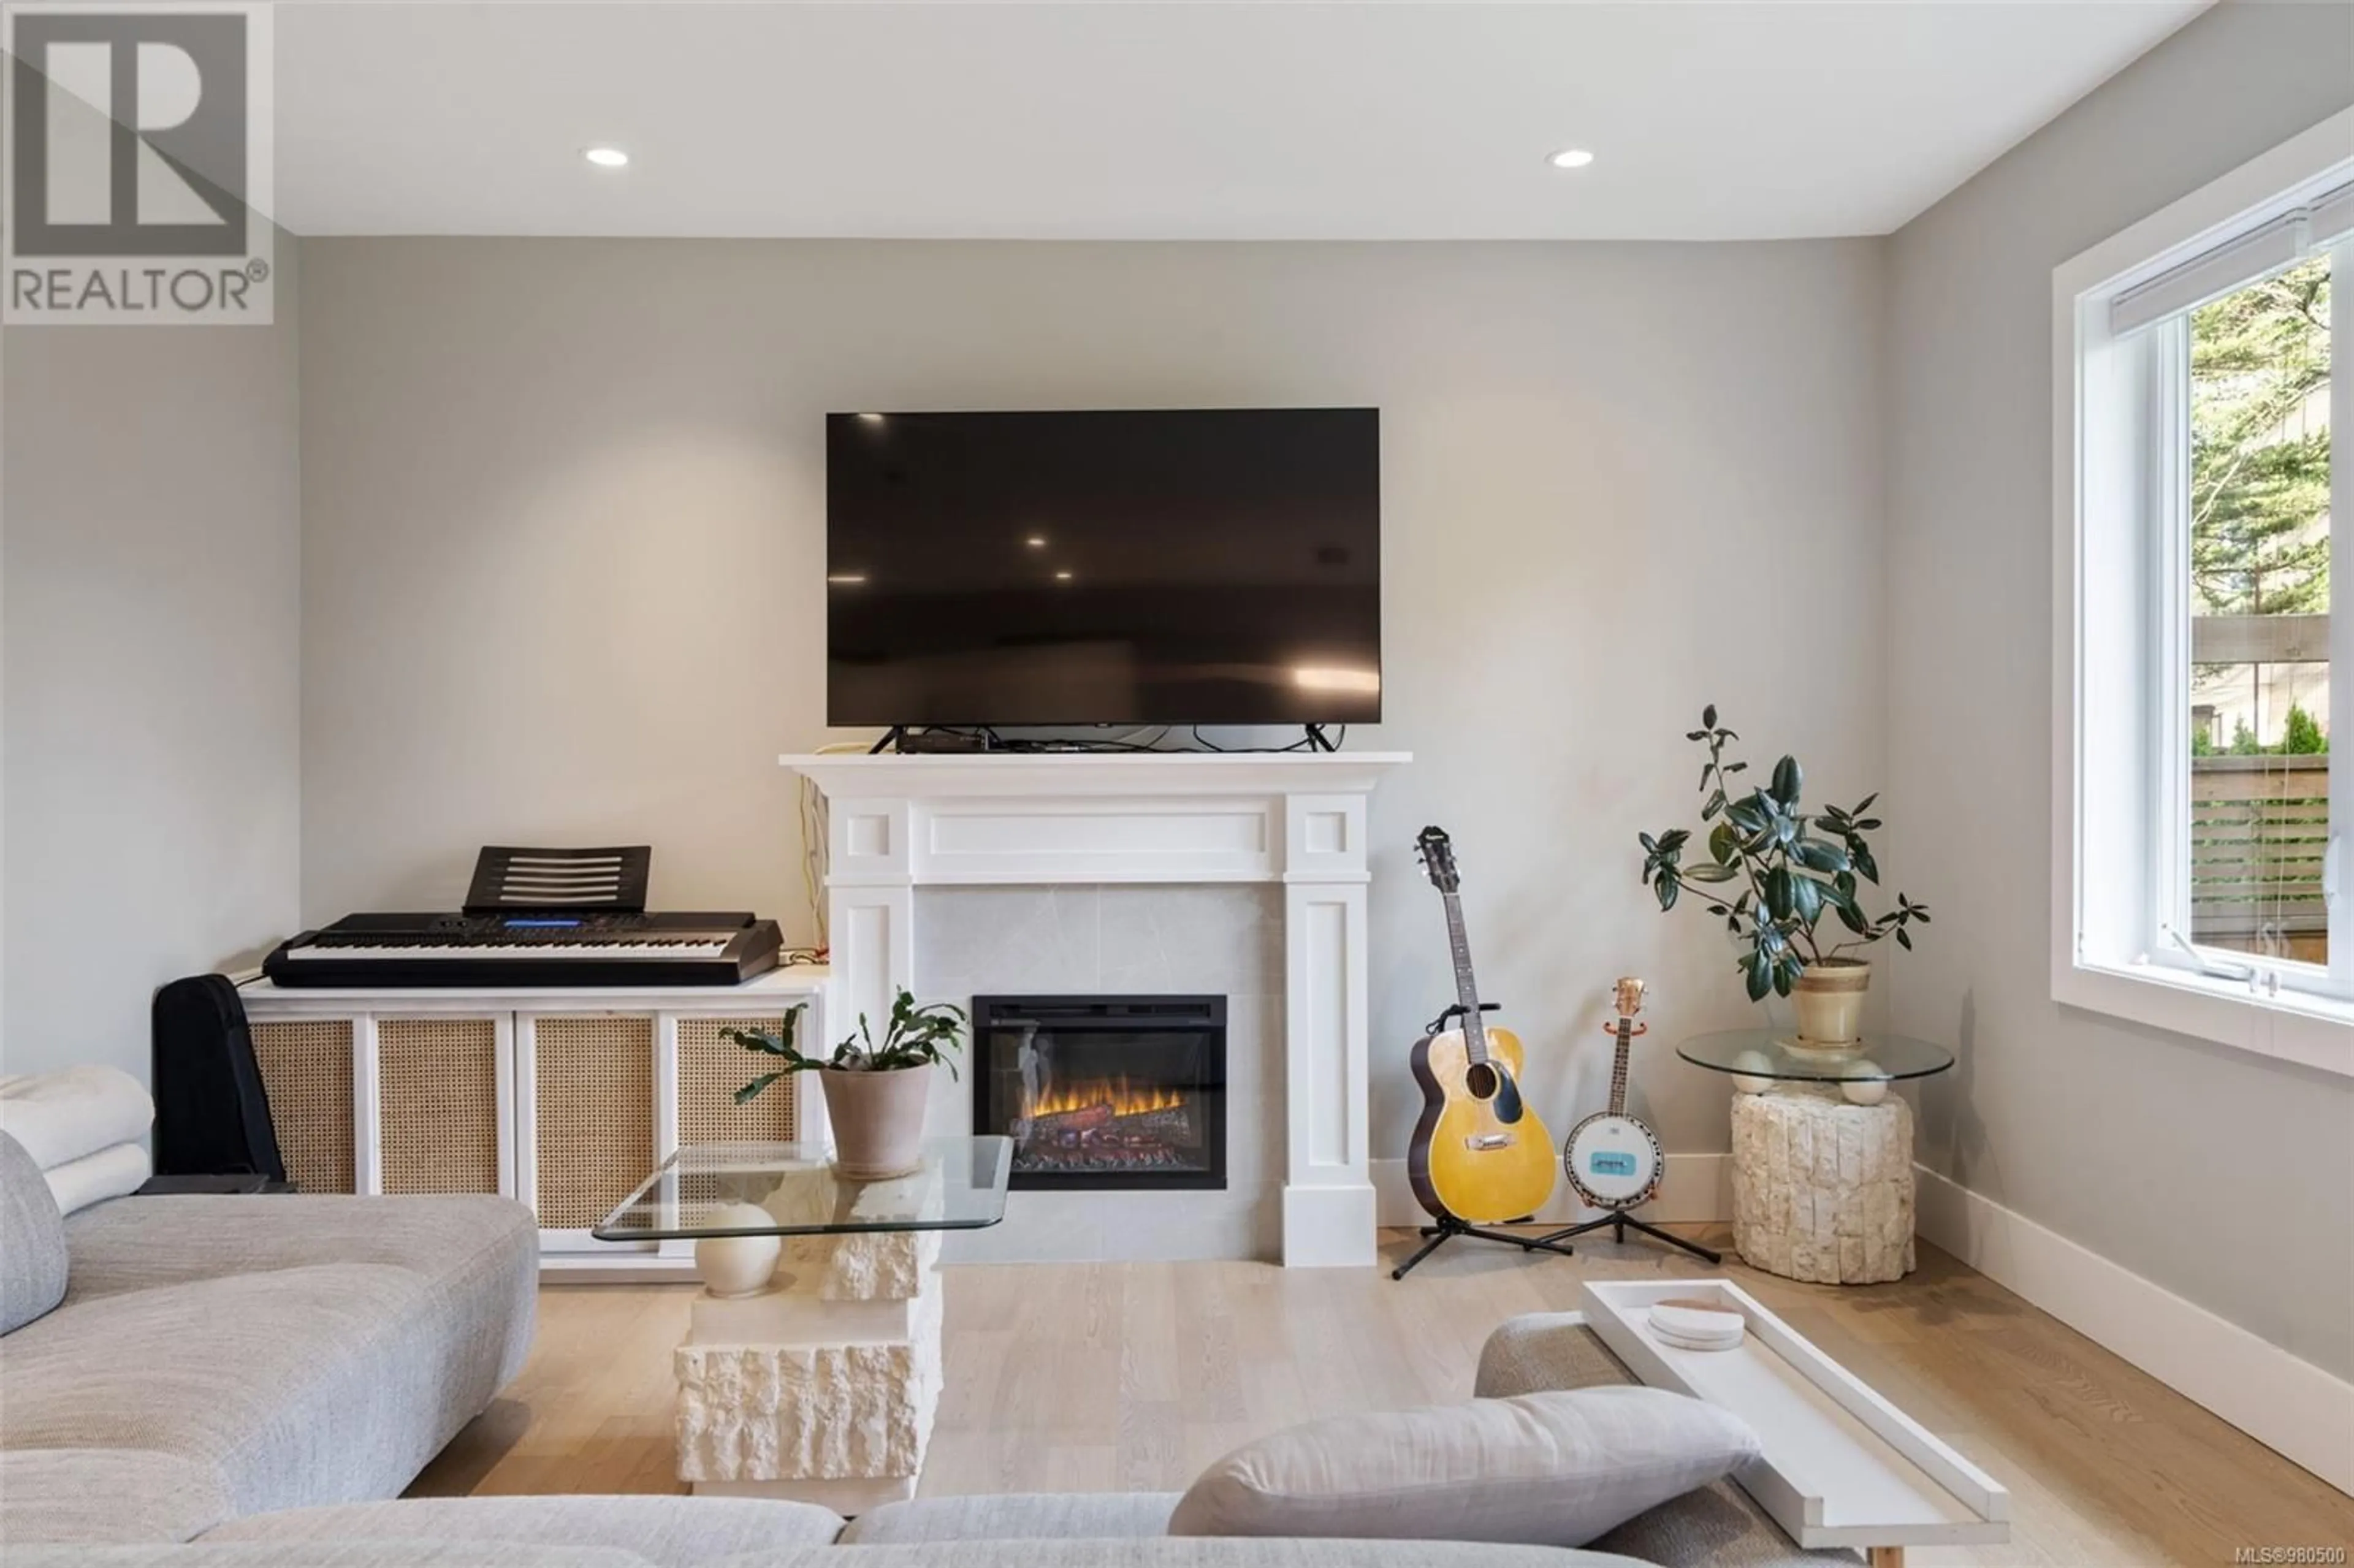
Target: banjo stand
column 1614, row 1161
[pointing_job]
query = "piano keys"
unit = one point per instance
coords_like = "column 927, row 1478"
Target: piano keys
column 542, row 948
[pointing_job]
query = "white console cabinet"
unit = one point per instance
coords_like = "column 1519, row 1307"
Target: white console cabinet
column 562, row 1098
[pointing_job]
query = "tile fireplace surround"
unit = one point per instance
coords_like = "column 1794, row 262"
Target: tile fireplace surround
column 1132, row 940
column 1078, row 820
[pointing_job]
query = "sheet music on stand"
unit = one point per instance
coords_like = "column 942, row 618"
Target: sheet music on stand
column 508, row 876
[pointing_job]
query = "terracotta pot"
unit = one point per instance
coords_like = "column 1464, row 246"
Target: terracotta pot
column 1828, row 998
column 878, row 1119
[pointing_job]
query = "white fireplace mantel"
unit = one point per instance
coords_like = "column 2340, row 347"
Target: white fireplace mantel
column 1296, row 818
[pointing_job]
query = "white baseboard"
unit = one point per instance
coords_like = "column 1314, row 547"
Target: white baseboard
column 1695, row 1189
column 616, row 1268
column 2288, row 1405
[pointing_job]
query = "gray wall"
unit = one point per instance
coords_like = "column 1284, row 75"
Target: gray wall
column 152, row 612
column 563, row 506
column 2116, row 1136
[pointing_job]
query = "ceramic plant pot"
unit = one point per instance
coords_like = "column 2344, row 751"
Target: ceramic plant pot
column 1829, row 1000
column 878, row 1120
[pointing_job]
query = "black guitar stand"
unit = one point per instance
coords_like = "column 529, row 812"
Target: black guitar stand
column 1618, row 1220
column 1448, row 1227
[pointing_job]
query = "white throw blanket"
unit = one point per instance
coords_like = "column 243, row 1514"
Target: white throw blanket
column 62, row 1117
column 112, row 1173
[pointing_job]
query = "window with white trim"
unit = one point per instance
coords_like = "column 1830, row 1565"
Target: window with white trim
column 2211, row 513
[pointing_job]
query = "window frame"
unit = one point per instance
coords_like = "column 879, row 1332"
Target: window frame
column 2120, row 758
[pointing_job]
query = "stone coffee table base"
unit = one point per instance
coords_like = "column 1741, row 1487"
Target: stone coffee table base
column 823, row 1389
column 1822, row 1190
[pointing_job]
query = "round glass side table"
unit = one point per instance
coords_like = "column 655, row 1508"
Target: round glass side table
column 1822, row 1153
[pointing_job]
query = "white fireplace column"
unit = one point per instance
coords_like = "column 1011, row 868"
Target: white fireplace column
column 1082, row 819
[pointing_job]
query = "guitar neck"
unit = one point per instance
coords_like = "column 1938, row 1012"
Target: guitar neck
column 1466, row 990
column 1618, row 1069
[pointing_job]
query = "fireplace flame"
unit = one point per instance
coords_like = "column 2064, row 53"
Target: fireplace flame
column 1124, row 1097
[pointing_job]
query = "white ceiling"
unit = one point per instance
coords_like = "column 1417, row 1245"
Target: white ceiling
column 1276, row 119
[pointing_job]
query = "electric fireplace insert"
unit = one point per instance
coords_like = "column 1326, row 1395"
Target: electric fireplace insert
column 1104, row 1091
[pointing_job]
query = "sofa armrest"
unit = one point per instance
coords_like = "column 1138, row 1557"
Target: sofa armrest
column 1540, row 1352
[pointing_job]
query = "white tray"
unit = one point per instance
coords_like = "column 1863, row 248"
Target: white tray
column 1842, row 1466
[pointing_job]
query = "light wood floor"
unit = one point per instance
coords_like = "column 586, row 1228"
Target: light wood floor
column 1095, row 1377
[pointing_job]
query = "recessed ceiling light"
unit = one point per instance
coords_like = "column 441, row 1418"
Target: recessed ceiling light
column 870, row 419
column 607, row 158
column 1062, row 577
column 1572, row 158
column 1037, row 541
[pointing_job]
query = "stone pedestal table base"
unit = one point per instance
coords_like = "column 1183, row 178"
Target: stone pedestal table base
column 1822, row 1190
column 823, row 1390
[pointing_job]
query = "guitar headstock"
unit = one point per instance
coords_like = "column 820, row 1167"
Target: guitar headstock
column 1437, row 852
column 1629, row 998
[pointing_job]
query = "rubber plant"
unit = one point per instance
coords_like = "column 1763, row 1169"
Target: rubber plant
column 913, row 1037
column 1791, row 868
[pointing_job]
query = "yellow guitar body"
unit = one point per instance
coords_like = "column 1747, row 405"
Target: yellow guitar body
column 1480, row 1152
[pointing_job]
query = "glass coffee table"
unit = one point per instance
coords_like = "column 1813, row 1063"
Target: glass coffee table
column 811, row 1365
column 705, row 1191
column 1822, row 1153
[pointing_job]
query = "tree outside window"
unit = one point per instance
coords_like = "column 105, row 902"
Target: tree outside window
column 2260, row 544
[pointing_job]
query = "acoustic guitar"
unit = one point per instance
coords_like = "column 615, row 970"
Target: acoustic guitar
column 1480, row 1154
column 1613, row 1161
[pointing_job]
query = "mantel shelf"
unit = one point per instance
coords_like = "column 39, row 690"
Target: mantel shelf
column 845, row 775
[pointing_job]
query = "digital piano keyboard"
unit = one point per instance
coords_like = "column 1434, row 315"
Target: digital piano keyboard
column 536, row 948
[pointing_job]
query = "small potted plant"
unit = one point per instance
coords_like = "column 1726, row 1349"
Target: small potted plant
column 873, row 1094
column 1772, row 873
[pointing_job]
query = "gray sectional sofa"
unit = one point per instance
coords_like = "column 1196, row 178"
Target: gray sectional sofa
column 236, row 1383
column 214, row 1357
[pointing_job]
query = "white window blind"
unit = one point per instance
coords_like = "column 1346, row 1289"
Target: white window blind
column 2288, row 237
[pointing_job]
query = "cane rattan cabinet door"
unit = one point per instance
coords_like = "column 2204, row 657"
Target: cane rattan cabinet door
column 593, row 1109
column 711, row 1068
column 306, row 1070
column 438, row 1104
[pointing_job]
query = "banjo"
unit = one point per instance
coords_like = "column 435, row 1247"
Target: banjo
column 1613, row 1161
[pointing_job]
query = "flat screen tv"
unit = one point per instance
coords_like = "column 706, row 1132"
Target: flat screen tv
column 1216, row 566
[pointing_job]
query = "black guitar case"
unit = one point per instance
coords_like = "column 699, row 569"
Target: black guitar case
column 212, row 1114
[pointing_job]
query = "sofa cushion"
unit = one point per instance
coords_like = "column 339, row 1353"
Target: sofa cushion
column 1163, row 1553
column 32, row 1240
column 1177, row 1552
column 326, row 1383
column 667, row 1531
column 1016, row 1516
column 92, row 1494
column 1555, row 1469
column 317, row 1554
column 140, row 1243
